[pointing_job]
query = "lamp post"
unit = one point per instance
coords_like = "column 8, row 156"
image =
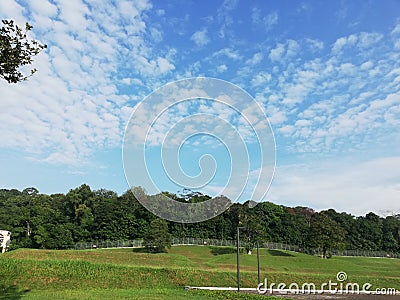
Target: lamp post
column 258, row 264
column 238, row 258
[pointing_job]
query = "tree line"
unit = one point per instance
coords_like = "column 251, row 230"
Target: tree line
column 58, row 221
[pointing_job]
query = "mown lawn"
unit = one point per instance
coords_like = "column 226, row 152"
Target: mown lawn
column 127, row 274
column 136, row 294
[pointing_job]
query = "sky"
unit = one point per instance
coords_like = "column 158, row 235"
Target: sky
column 325, row 73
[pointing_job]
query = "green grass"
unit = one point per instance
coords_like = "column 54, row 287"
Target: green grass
column 127, row 274
column 148, row 294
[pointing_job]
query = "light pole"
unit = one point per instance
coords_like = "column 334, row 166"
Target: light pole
column 258, row 264
column 238, row 258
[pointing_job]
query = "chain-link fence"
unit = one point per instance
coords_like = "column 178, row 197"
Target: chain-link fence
column 232, row 243
column 365, row 253
column 179, row 241
column 108, row 244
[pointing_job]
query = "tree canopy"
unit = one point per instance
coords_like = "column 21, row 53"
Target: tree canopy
column 59, row 221
column 157, row 238
column 16, row 50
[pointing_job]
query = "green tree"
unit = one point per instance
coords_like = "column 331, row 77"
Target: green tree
column 325, row 233
column 370, row 232
column 295, row 226
column 157, row 238
column 253, row 231
column 78, row 208
column 16, row 50
column 391, row 232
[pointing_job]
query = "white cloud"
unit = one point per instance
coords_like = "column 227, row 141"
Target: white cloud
column 43, row 7
column 366, row 39
column 287, row 129
column 342, row 42
column 270, row 20
column 315, row 44
column 256, row 59
column 222, row 68
column 347, row 69
column 256, row 15
column 229, row 5
column 224, row 14
column 276, row 116
column 367, row 65
column 338, row 95
column 348, row 185
column 302, row 123
column 11, row 9
column 267, row 21
column 330, row 99
column 71, row 107
column 200, row 37
column 156, row 34
column 228, row 52
column 284, row 51
column 362, row 40
column 261, row 79
column 126, row 81
column 73, row 14
column 164, row 65
column 397, row 45
column 277, row 53
column 396, row 29
column 292, row 48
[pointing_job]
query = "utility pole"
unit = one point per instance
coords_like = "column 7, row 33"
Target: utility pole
column 258, row 264
column 238, row 258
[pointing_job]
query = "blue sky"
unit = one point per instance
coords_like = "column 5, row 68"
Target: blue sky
column 327, row 74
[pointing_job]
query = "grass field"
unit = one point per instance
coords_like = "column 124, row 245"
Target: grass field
column 127, row 274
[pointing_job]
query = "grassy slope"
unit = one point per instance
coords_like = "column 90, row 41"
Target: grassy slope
column 120, row 272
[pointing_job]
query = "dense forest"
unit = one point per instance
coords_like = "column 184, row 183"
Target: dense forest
column 58, row 221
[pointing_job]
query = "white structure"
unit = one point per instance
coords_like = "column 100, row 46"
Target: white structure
column 5, row 240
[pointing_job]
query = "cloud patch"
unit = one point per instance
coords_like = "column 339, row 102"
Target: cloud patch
column 200, row 38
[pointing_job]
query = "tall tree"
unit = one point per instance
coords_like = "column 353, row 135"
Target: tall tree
column 157, row 238
column 391, row 232
column 370, row 232
column 325, row 233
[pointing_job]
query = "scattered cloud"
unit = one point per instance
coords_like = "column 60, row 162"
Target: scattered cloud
column 330, row 92
column 267, row 21
column 71, row 106
column 256, row 59
column 222, row 68
column 284, row 51
column 357, row 187
column 200, row 37
column 225, row 18
column 229, row 53
column 315, row 45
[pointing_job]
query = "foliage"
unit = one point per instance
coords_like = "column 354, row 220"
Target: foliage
column 325, row 233
column 59, row 221
column 157, row 238
column 16, row 50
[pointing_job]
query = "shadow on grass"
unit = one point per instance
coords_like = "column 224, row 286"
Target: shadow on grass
column 140, row 250
column 147, row 250
column 279, row 253
column 222, row 250
column 11, row 292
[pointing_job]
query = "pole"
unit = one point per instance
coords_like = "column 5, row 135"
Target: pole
column 258, row 264
column 238, row 259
